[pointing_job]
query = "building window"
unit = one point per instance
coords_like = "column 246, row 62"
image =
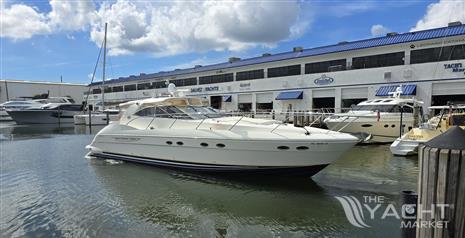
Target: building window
column 252, row 74
column 220, row 78
column 454, row 52
column 117, row 89
column 130, row 87
column 159, row 84
column 143, row 86
column 184, row 82
column 374, row 61
column 107, row 90
column 325, row 66
column 96, row 91
column 284, row 71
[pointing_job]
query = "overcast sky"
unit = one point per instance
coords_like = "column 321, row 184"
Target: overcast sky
column 41, row 40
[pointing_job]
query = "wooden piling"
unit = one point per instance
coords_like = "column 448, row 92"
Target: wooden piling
column 441, row 185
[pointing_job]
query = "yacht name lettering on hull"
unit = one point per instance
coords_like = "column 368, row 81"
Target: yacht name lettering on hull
column 455, row 67
column 206, row 89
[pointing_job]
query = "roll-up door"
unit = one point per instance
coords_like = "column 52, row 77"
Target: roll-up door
column 244, row 98
column 323, row 93
column 448, row 88
column 264, row 97
column 351, row 93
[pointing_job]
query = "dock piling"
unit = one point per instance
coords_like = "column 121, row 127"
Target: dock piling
column 441, row 186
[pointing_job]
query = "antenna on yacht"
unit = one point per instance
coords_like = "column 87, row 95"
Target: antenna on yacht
column 172, row 89
column 397, row 93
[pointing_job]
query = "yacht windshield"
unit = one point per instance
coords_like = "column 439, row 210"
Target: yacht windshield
column 180, row 112
column 382, row 108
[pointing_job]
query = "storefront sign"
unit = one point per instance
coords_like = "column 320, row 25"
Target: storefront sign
column 205, row 89
column 455, row 68
column 323, row 80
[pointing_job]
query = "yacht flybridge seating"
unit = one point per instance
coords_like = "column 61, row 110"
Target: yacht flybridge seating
column 184, row 133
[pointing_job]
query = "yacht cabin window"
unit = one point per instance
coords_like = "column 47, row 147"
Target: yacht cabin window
column 382, row 108
column 180, row 112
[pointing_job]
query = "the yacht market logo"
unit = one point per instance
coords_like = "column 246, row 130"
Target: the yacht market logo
column 323, row 80
column 360, row 213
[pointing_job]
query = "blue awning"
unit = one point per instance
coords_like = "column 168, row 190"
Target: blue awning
column 227, row 98
column 290, row 95
column 409, row 89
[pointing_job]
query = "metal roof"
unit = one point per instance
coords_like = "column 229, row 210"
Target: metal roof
column 344, row 46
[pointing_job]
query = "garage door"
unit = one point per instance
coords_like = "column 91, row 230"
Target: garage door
column 244, row 98
column 449, row 88
column 351, row 93
column 264, row 97
column 323, row 93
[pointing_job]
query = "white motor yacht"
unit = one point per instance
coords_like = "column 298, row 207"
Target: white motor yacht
column 381, row 118
column 57, row 110
column 18, row 105
column 184, row 133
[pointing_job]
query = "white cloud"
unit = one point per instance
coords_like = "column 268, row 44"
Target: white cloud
column 379, row 30
column 22, row 22
column 164, row 28
column 441, row 13
column 71, row 15
column 182, row 27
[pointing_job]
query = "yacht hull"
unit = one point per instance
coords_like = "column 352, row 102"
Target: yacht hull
column 404, row 147
column 215, row 151
column 4, row 116
column 212, row 168
column 42, row 116
column 382, row 131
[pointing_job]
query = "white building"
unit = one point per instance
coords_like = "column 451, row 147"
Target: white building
column 430, row 65
column 14, row 89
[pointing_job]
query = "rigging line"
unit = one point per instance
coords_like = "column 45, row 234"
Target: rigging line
column 93, row 75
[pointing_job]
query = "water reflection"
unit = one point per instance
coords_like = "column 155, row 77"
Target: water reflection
column 11, row 131
column 192, row 203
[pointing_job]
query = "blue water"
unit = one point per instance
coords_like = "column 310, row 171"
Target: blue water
column 49, row 189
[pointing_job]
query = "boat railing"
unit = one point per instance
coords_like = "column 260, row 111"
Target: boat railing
column 299, row 119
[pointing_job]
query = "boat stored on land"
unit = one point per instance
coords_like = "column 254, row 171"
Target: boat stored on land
column 184, row 133
column 409, row 142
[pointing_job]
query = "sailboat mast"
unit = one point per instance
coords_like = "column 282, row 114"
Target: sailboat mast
column 103, row 73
